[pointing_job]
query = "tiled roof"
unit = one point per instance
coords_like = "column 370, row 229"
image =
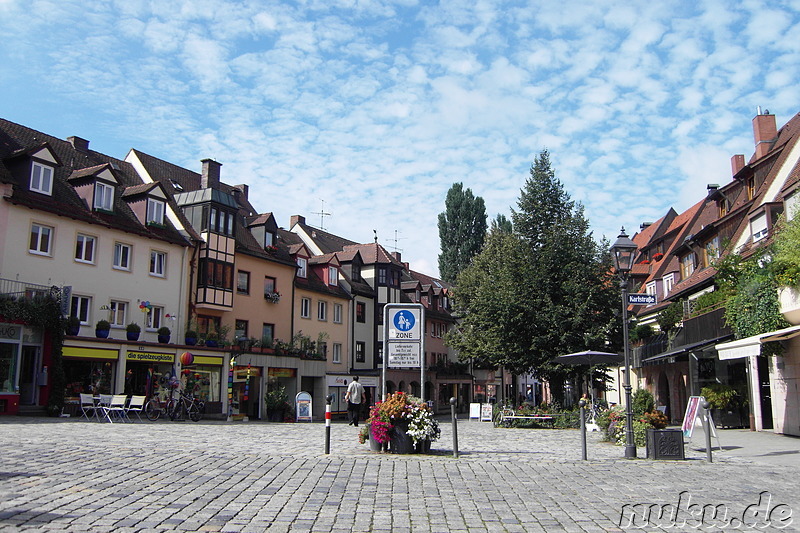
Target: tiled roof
column 16, row 140
column 327, row 242
column 373, row 253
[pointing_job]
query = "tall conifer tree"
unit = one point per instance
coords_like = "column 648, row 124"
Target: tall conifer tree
column 462, row 230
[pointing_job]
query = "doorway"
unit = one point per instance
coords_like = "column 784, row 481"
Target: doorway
column 29, row 366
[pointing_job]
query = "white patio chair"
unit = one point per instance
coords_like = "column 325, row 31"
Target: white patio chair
column 103, row 405
column 136, row 406
column 87, row 406
column 116, row 408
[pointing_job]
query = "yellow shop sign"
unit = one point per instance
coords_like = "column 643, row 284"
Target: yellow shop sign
column 151, row 357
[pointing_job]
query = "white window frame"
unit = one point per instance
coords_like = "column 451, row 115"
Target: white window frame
column 81, row 306
column 41, row 246
column 333, row 275
column 103, row 196
column 154, row 318
column 302, row 272
column 305, row 308
column 118, row 314
column 85, row 246
column 669, row 281
column 322, row 310
column 337, row 353
column 41, row 178
column 337, row 313
column 758, row 227
column 122, row 256
column 158, row 268
column 791, row 205
column 651, row 288
column 155, row 211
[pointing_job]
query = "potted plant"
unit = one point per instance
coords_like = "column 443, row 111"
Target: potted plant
column 73, row 326
column 164, row 334
column 190, row 337
column 133, row 330
column 212, row 339
column 404, row 421
column 276, row 402
column 101, row 329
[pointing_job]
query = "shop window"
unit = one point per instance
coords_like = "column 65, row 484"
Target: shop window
column 8, row 366
column 88, row 377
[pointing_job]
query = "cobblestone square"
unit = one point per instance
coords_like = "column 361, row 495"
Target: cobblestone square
column 66, row 475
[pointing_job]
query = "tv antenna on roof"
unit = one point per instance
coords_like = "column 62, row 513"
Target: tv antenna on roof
column 396, row 238
column 322, row 214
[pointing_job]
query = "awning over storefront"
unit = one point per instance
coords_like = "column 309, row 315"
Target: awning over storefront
column 681, row 350
column 752, row 345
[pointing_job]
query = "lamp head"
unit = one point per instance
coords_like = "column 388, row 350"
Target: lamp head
column 624, row 251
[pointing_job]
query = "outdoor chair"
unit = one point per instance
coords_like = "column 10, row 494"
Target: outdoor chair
column 116, row 408
column 136, row 406
column 87, row 406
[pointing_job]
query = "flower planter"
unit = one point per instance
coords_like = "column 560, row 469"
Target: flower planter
column 72, row 331
column 789, row 302
column 101, row 333
column 665, row 444
column 374, row 445
column 163, row 339
column 132, row 335
column 211, row 343
column 190, row 341
column 423, row 446
column 400, row 441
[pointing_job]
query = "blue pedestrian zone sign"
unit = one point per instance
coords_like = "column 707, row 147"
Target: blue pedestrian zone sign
column 404, row 320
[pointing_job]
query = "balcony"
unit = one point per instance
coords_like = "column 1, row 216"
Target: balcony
column 789, row 303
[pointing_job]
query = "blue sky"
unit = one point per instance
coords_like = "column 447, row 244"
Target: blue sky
column 377, row 107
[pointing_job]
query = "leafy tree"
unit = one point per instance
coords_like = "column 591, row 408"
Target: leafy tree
column 541, row 292
column 501, row 223
column 671, row 316
column 462, row 230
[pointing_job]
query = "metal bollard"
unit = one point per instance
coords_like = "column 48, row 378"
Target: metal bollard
column 582, row 405
column 455, row 426
column 707, row 430
column 328, row 401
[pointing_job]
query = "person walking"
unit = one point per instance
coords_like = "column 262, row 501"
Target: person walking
column 354, row 396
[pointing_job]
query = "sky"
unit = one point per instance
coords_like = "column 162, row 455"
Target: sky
column 370, row 110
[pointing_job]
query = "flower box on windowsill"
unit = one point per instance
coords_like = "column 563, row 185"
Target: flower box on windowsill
column 789, row 302
column 273, row 297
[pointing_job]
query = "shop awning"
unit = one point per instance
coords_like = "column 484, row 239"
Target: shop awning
column 752, row 345
column 681, row 350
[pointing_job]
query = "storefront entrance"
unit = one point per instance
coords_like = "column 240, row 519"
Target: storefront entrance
column 28, row 371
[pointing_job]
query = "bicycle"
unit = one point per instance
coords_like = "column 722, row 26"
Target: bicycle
column 187, row 405
column 155, row 407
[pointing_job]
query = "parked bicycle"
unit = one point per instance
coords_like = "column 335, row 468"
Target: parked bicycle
column 155, row 407
column 187, row 406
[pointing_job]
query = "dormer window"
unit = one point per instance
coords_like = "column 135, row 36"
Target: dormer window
column 722, row 207
column 103, row 196
column 42, row 178
column 155, row 211
column 302, row 264
column 269, row 239
column 333, row 275
column 758, row 227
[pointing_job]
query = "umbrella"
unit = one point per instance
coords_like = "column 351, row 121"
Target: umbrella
column 591, row 358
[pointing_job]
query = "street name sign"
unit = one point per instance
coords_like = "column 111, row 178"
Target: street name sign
column 641, row 299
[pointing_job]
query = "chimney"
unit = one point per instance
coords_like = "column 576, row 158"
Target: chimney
column 81, row 145
column 644, row 225
column 737, row 163
column 764, row 132
column 210, row 177
column 244, row 188
column 397, row 256
column 296, row 219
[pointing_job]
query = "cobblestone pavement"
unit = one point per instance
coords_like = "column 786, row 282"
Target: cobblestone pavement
column 67, row 475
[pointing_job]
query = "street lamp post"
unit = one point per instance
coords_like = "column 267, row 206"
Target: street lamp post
column 624, row 251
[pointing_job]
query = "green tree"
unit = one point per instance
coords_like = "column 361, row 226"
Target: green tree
column 462, row 230
column 501, row 223
column 541, row 292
